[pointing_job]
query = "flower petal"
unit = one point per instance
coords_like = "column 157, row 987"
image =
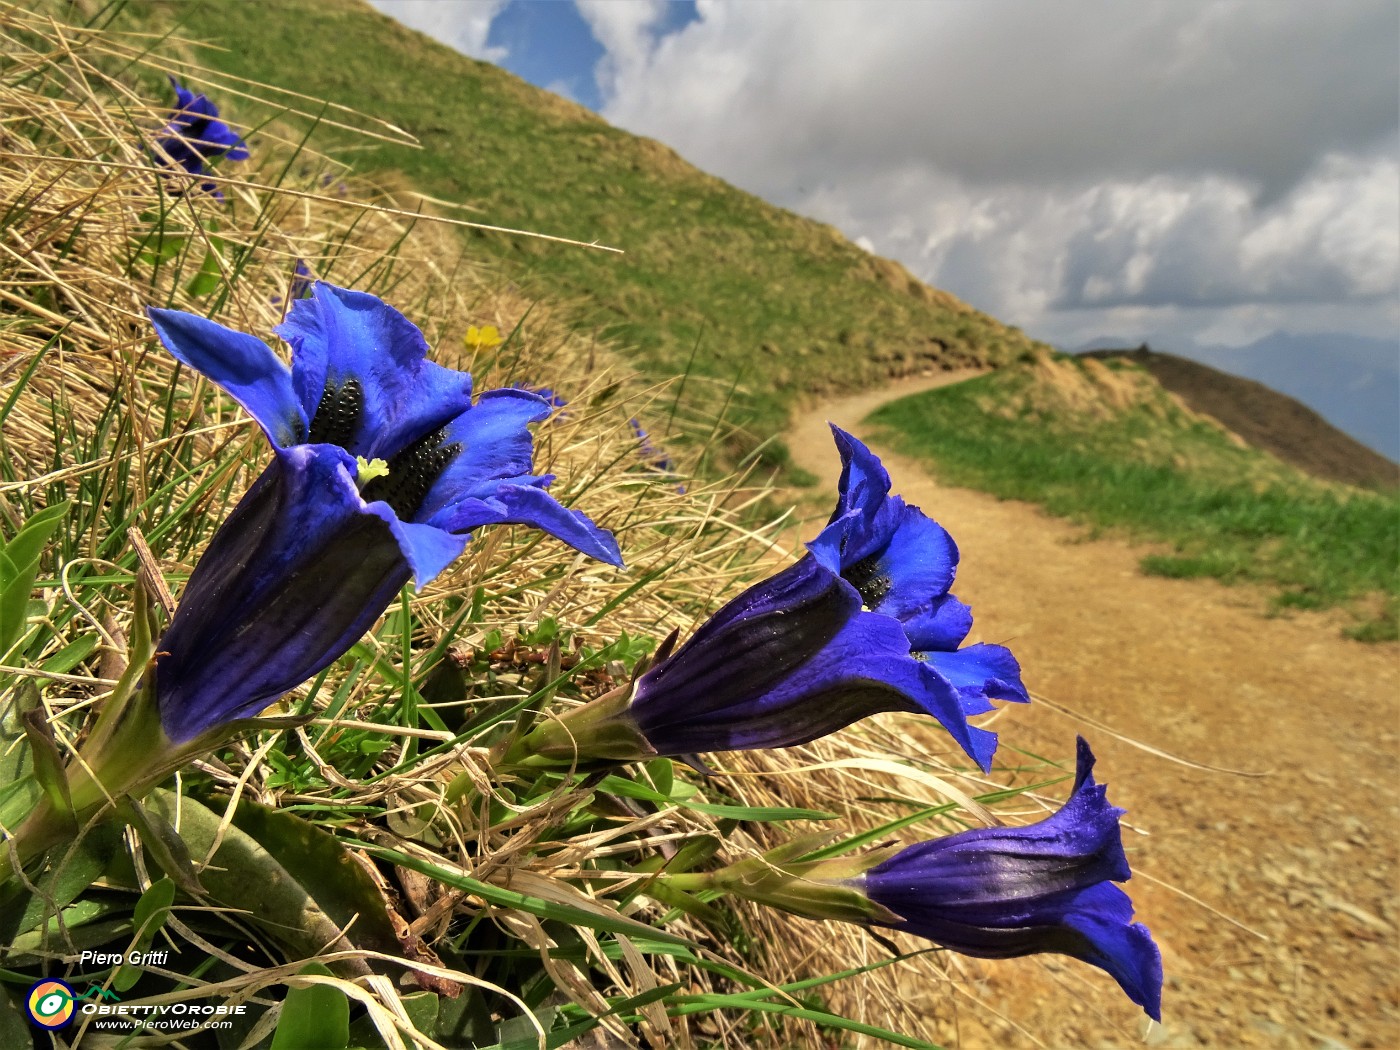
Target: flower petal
column 290, row 581
column 496, row 446
column 982, row 673
column 338, row 335
column 717, row 691
column 868, row 664
column 864, row 479
column 901, row 563
column 526, row 505
column 792, row 659
column 941, row 626
column 244, row 366
column 184, row 97
column 196, row 134
column 1124, row 950
column 901, row 560
column 1046, row 887
column 427, row 549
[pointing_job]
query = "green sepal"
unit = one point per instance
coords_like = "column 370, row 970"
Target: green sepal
column 824, row 889
column 599, row 734
column 48, row 767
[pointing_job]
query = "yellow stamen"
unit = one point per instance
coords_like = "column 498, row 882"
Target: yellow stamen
column 369, row 469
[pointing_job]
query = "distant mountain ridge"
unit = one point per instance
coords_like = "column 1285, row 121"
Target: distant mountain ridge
column 1268, row 420
column 1353, row 381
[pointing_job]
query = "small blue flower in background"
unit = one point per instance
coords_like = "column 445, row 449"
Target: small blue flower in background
column 655, row 458
column 302, row 280
column 652, row 456
column 862, row 624
column 195, row 135
column 997, row 893
column 382, row 467
column 554, row 400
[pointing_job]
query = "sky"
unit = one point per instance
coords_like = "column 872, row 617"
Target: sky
column 1188, row 172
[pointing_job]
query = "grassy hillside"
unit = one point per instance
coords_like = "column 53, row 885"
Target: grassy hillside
column 779, row 304
column 1267, row 419
column 447, row 899
column 1106, row 445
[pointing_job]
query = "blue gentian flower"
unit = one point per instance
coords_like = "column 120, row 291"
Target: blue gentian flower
column 862, row 624
column 655, row 458
column 554, row 400
column 302, row 280
column 196, row 135
column 650, row 455
column 300, row 287
column 382, row 467
column 996, row 893
column 903, row 563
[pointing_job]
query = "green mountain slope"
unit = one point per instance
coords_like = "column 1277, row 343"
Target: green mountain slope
column 784, row 305
column 1101, row 442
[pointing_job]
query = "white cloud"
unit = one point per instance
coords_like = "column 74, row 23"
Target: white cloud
column 627, row 32
column 461, row 24
column 1158, row 160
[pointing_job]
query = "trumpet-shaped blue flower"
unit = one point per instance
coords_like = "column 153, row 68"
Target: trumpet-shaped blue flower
column 383, row 465
column 902, row 563
column 1048, row 887
column 862, row 624
column 196, row 135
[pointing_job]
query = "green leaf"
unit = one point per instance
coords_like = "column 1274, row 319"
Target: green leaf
column 19, row 797
column 296, row 881
column 23, row 380
column 35, row 947
column 74, row 917
column 422, row 1009
column 148, row 917
column 19, row 565
column 71, row 655
column 15, row 1028
column 616, row 785
column 321, row 863
column 15, row 758
column 28, row 543
column 821, row 1017
column 76, row 867
column 565, row 913
column 315, row 1016
column 210, row 273
column 663, row 774
column 164, row 844
column 48, row 762
column 169, row 248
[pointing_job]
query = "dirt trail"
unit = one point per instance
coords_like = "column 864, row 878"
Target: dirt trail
column 1306, row 857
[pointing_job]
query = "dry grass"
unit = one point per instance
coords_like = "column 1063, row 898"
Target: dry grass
column 99, row 412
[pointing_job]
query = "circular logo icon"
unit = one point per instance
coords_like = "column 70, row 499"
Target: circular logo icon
column 50, row 1004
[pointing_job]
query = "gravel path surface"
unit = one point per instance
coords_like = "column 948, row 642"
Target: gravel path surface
column 1273, row 897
